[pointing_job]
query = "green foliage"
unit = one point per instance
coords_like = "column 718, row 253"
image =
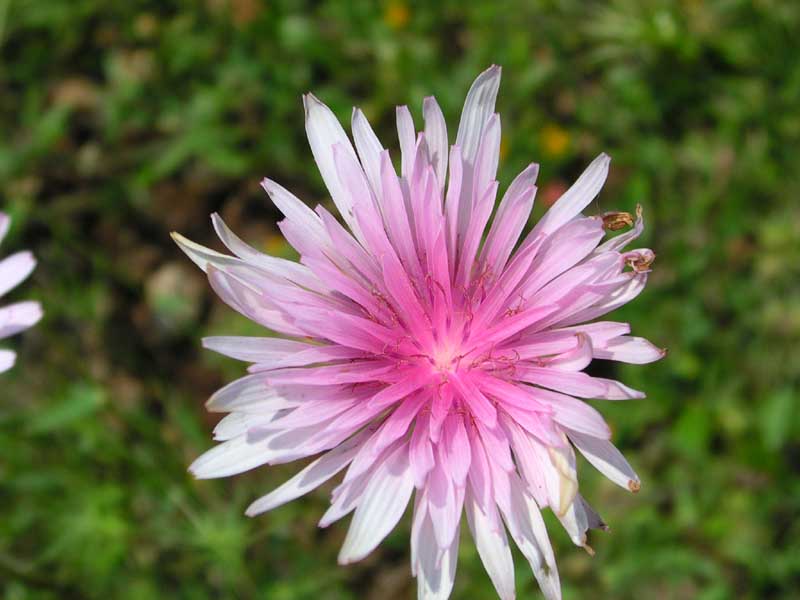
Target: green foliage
column 120, row 122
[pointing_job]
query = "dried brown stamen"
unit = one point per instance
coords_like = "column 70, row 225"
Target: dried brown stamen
column 614, row 221
column 641, row 261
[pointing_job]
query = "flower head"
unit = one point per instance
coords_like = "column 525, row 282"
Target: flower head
column 424, row 358
column 20, row 315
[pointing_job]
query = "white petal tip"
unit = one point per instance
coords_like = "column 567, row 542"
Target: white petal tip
column 254, row 510
column 346, row 559
column 36, row 314
column 311, row 102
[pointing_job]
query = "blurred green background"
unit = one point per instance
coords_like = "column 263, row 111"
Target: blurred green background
column 122, row 121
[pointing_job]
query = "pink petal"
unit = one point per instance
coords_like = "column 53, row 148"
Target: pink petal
column 563, row 250
column 480, row 407
column 420, row 452
column 510, row 219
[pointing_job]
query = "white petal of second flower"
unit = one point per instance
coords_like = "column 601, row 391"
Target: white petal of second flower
column 14, row 270
column 7, row 360
column 16, row 317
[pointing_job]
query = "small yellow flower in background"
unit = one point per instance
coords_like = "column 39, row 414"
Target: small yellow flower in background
column 504, row 146
column 554, row 140
column 396, row 15
column 275, row 245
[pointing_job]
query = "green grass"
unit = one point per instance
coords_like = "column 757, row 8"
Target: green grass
column 120, row 122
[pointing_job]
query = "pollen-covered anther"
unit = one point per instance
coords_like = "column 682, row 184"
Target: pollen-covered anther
column 634, row 486
column 614, row 221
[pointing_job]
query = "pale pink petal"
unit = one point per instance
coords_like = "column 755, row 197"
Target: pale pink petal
column 522, row 512
column 297, row 213
column 310, row 478
column 577, row 197
column 562, row 251
column 621, row 295
column 369, row 150
column 510, row 219
column 605, row 457
column 436, row 135
column 254, row 349
column 252, row 394
column 493, row 548
column 324, row 132
column 445, row 502
column 232, row 457
column 478, row 107
column 575, row 359
column 345, row 499
column 239, row 423
column 575, row 414
column 487, row 158
column 634, row 350
column 383, row 503
column 435, row 569
column 455, row 228
column 543, row 343
column 420, row 452
column 407, row 137
column 250, row 302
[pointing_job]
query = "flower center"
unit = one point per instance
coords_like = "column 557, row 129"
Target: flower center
column 444, row 359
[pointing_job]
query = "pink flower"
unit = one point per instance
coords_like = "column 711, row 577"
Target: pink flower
column 20, row 315
column 423, row 360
